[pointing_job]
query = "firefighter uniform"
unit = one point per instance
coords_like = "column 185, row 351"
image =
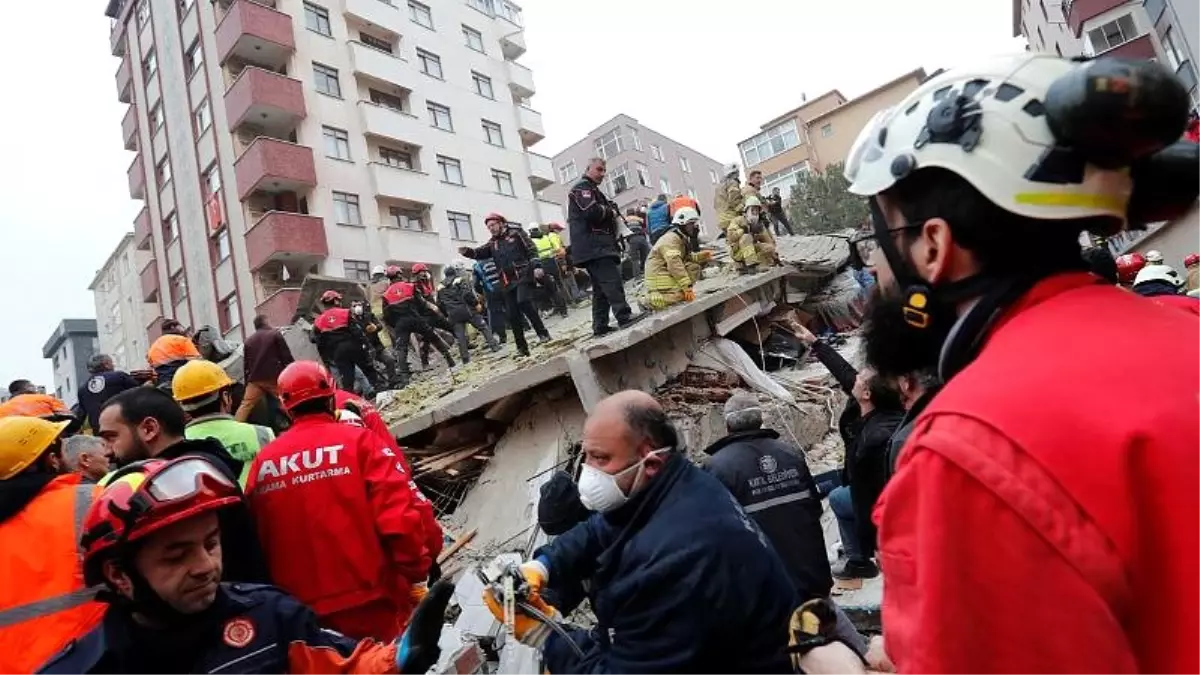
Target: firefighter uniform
column 342, row 344
column 671, row 271
column 405, row 311
column 728, row 202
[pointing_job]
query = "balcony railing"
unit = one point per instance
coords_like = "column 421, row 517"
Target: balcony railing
column 274, row 166
column 288, row 237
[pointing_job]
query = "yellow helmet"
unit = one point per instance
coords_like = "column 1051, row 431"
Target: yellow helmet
column 197, row 383
column 23, row 440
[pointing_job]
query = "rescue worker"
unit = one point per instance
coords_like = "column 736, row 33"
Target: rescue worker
column 594, row 223
column 153, row 540
column 105, row 382
column 39, row 405
column 381, row 278
column 728, row 199
column 1017, row 493
column 682, row 201
column 658, row 217
column 1157, row 279
column 458, row 302
column 1191, row 263
column 205, row 392
column 341, row 341
column 423, row 278
column 169, row 352
column 637, row 243
column 771, row 480
column 41, row 518
column 753, row 186
column 519, row 267
column 682, row 580
column 547, row 251
column 372, row 328
column 264, row 355
column 672, row 271
column 1128, row 266
column 777, row 214
column 750, row 243
column 487, row 283
column 405, row 310
column 322, row 482
column 565, row 271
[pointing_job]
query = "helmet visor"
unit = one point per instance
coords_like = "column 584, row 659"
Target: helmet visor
column 188, row 478
column 866, row 147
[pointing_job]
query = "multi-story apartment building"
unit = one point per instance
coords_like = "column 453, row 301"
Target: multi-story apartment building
column 280, row 138
column 1043, row 24
column 121, row 315
column 642, row 163
column 818, row 133
column 70, row 346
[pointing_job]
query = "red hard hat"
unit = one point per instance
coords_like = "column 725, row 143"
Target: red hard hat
column 393, row 271
column 145, row 497
column 1191, row 259
column 329, row 297
column 303, row 381
column 420, row 267
column 494, row 216
column 1129, row 265
column 555, row 227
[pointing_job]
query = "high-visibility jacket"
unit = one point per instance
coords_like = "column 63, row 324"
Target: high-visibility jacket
column 168, row 348
column 666, row 266
column 241, row 439
column 33, row 405
column 545, row 247
column 40, row 561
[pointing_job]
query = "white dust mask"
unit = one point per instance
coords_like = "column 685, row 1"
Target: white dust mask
column 600, row 492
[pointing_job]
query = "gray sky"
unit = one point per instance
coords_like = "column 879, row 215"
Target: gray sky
column 707, row 74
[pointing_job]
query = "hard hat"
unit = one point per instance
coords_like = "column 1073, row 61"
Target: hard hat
column 1191, row 260
column 731, row 169
column 751, row 201
column 304, row 381
column 330, row 297
column 988, row 125
column 146, row 497
column 393, row 271
column 555, row 227
column 1154, row 257
column 1129, row 265
column 378, row 270
column 494, row 216
column 198, row 383
column 347, row 417
column 23, row 440
column 685, row 215
column 420, row 267
column 1159, row 273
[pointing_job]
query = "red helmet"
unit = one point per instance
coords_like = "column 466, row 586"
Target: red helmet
column 1191, row 260
column 330, row 297
column 420, row 267
column 393, row 272
column 303, row 381
column 494, row 216
column 555, row 227
column 1129, row 265
column 148, row 496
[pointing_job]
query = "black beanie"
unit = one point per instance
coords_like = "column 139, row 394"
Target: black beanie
column 559, row 508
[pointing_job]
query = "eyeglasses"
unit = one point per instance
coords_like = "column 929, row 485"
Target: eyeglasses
column 864, row 245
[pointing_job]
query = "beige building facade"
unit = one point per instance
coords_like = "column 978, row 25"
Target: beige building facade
column 121, row 315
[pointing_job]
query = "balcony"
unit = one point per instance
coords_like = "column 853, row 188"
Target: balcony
column 380, row 120
column 149, row 281
column 286, row 237
column 142, row 231
column 382, row 14
column 273, row 102
column 1079, row 11
column 1137, row 48
column 529, row 125
column 273, row 165
column 129, row 128
column 396, row 183
column 137, row 178
column 116, row 38
column 541, row 171
column 124, row 81
column 512, row 45
column 380, row 65
column 255, row 34
column 280, row 307
column 520, row 79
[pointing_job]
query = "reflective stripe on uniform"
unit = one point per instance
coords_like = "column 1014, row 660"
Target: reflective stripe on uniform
column 778, row 501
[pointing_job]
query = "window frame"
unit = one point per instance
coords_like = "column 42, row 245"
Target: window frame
column 1096, row 51
column 454, row 219
column 415, row 9
column 656, row 152
column 197, row 118
column 684, row 164
column 158, row 118
column 664, row 185
column 326, row 74
column 499, row 179
column 375, row 42
column 150, row 64
column 193, row 59
column 491, row 128
column 613, row 137
column 356, row 270
column 467, row 33
column 478, row 79
column 767, row 140
column 445, row 163
column 827, row 130
column 351, row 205
column 427, row 58
column 563, row 171
column 314, row 13
column 177, row 287
column 434, row 109
column 643, row 174
column 230, row 315
column 222, row 235
column 378, row 97
column 395, row 213
column 162, row 171
column 142, row 12
column 386, row 153
column 339, row 138
column 170, row 225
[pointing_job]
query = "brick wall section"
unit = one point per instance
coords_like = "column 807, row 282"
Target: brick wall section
column 142, row 232
column 280, row 307
column 282, row 232
column 1082, row 10
column 250, row 18
column 129, row 127
column 268, row 158
column 149, row 279
column 137, row 178
column 1141, row 48
column 123, row 76
column 256, row 86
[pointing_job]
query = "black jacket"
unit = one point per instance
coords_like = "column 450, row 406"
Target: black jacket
column 896, row 442
column 514, row 254
column 457, row 300
column 99, row 388
column 593, row 222
column 771, row 481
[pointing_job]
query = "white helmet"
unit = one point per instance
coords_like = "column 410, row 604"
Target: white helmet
column 751, row 201
column 378, row 270
column 994, row 139
column 1154, row 257
column 685, row 215
column 1159, row 272
column 730, row 169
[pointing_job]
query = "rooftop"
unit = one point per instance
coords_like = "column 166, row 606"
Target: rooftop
column 112, row 258
column 66, row 329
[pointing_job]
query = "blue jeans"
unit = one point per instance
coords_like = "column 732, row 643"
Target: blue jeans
column 842, row 504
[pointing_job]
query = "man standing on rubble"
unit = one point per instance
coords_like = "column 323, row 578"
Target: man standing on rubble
column 342, row 343
column 778, row 215
column 459, row 303
column 487, row 283
column 264, row 355
column 682, row 580
column 406, row 309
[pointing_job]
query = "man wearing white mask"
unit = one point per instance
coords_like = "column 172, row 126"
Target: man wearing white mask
column 683, row 580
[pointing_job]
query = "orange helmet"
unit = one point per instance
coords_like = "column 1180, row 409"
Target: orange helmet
column 1129, row 265
column 148, row 496
column 304, row 381
column 330, row 297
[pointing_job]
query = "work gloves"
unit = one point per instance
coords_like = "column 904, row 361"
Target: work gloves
column 528, row 630
column 417, row 649
column 689, row 295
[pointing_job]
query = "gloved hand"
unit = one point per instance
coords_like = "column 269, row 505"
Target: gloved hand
column 536, row 574
column 689, row 295
column 704, row 256
column 813, row 643
column 417, row 592
column 417, row 649
column 528, row 630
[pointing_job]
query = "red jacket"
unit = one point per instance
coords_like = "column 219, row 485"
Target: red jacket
column 1043, row 518
column 338, row 520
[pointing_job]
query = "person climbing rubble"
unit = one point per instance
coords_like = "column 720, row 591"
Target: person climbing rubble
column 548, row 249
column 672, row 270
column 637, row 244
column 406, row 309
column 727, row 201
column 750, row 242
column 423, row 279
column 169, row 352
column 458, row 302
column 341, row 341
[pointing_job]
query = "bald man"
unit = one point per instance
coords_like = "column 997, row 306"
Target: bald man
column 682, row 580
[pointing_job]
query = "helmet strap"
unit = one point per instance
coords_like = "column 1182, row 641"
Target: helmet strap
column 145, row 600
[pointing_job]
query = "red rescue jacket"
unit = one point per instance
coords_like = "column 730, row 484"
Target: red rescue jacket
column 1039, row 513
column 334, row 318
column 338, row 521
column 401, row 291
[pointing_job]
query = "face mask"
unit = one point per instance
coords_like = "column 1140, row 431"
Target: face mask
column 600, row 492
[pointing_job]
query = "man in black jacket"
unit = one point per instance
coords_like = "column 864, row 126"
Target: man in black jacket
column 916, row 391
column 594, row 246
column 458, row 302
column 775, row 210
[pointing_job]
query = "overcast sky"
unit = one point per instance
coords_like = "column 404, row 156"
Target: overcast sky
column 706, row 74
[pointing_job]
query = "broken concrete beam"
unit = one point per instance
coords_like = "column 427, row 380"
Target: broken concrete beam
column 461, row 432
column 506, row 409
column 587, row 385
column 748, row 311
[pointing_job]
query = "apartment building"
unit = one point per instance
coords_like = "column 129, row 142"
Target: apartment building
column 70, row 346
column 642, row 163
column 274, row 139
column 121, row 314
column 818, row 133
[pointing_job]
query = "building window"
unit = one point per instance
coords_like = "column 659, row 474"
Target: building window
column 492, row 134
column 610, row 144
column 203, row 117
column 178, row 285
column 408, row 219
column 664, row 185
column 356, row 270
column 337, row 143
column 460, row 226
column 420, row 14
column 316, row 18
column 1174, row 57
column 773, row 141
column 451, row 170
column 826, row 130
column 149, row 65
column 193, row 58
column 474, row 38
column 510, row 11
column 170, row 228
column 484, row 6
column 162, row 172
column 684, row 164
column 439, row 115
column 656, row 152
column 618, row 178
column 784, row 179
column 143, row 12
column 345, row 209
column 378, row 44
column 1112, row 34
column 397, row 158
column 212, row 179
column 567, row 172
column 712, row 176
column 483, row 85
column 156, row 117
column 503, row 181
column 431, row 64
column 397, row 103
column 221, row 244
column 637, row 140
column 643, row 174
column 230, row 317
column 326, row 80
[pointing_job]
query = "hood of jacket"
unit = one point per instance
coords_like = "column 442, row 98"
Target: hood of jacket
column 740, row 437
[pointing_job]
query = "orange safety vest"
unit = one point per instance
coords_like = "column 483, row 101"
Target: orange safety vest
column 41, row 563
column 33, row 405
column 170, row 348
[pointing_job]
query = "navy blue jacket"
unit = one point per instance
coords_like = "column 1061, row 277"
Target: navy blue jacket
column 98, row 389
column 658, row 216
column 683, row 581
column 249, row 629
